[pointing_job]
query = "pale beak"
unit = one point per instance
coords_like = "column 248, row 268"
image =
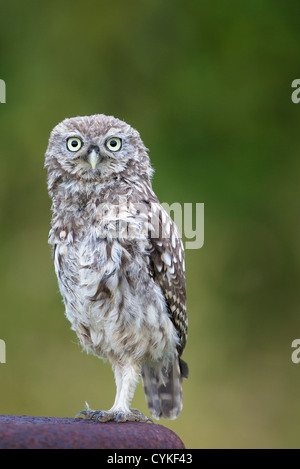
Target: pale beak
column 93, row 158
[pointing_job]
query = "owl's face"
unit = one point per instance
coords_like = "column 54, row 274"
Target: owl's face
column 95, row 148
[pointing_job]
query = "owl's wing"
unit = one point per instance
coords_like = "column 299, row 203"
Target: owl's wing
column 168, row 268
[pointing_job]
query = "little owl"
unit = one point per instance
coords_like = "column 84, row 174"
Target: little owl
column 119, row 261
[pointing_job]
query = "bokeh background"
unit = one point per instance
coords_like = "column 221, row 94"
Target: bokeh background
column 208, row 85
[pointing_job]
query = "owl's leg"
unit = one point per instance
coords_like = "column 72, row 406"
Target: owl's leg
column 126, row 377
column 126, row 380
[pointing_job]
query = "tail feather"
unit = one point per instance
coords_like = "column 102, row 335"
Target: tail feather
column 163, row 388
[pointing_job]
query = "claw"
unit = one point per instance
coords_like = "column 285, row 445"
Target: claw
column 100, row 413
column 83, row 412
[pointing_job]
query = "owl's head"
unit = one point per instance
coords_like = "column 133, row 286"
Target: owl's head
column 96, row 148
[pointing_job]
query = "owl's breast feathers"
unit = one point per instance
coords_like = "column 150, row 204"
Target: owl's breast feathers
column 131, row 217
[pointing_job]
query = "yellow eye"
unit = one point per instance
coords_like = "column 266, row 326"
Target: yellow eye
column 114, row 144
column 74, row 144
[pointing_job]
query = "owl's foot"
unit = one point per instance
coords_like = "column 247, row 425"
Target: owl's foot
column 133, row 415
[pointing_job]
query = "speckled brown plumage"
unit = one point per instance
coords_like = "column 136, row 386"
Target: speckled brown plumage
column 119, row 261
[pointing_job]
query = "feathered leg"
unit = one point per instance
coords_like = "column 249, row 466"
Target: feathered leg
column 126, row 377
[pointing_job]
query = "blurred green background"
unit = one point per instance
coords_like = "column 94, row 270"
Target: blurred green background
column 208, row 86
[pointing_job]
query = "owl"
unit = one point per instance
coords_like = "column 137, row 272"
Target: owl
column 119, row 261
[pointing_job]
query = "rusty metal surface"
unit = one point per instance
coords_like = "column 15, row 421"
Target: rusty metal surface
column 18, row 432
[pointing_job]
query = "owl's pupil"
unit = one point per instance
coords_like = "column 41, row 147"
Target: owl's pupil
column 74, row 143
column 113, row 143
